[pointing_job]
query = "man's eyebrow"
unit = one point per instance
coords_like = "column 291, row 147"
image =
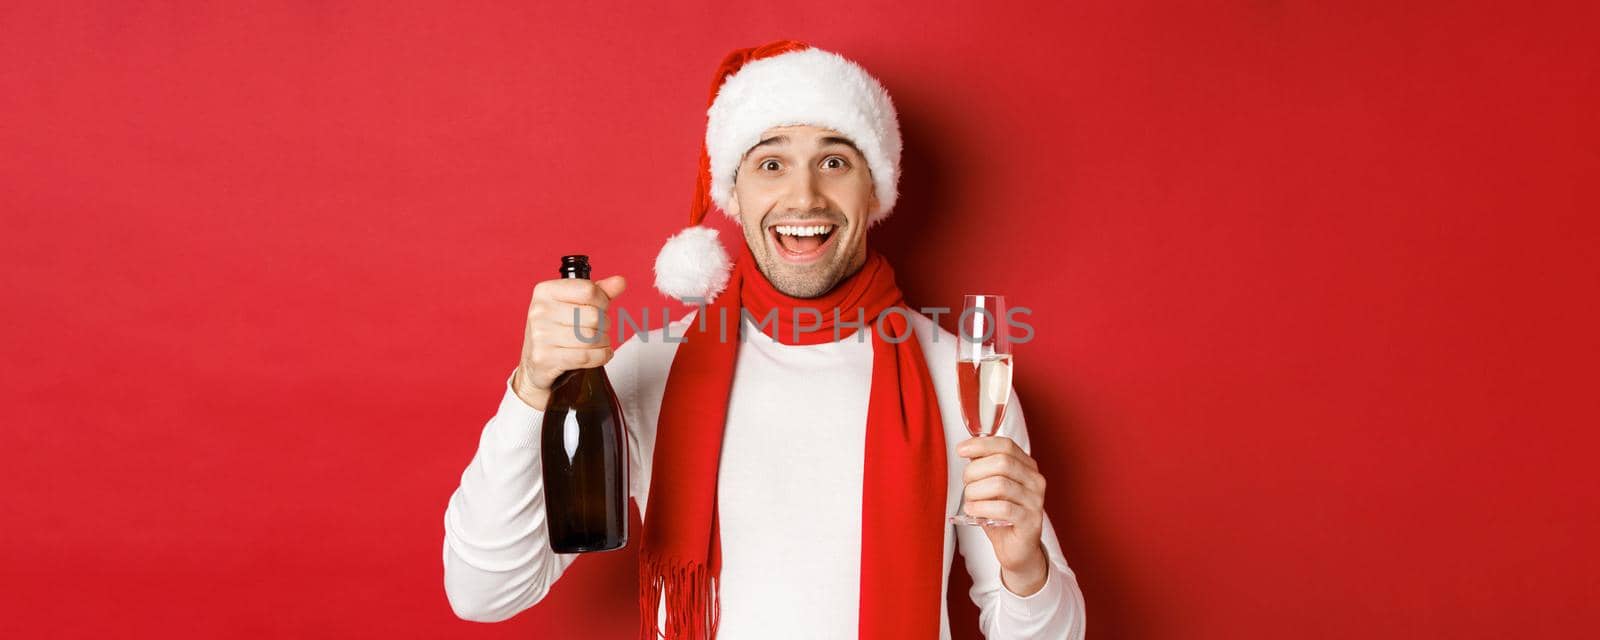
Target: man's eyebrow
column 774, row 140
column 838, row 140
column 778, row 140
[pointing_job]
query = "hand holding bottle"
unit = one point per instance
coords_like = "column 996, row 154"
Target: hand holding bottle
column 551, row 342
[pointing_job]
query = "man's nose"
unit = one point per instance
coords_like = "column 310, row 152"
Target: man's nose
column 804, row 193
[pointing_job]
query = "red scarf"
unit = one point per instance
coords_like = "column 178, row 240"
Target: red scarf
column 903, row 492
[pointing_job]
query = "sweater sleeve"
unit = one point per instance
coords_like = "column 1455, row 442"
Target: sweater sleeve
column 497, row 557
column 1056, row 611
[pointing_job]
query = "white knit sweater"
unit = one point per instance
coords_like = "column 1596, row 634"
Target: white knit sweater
column 788, row 489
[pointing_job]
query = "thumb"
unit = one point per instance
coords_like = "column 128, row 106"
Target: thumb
column 613, row 286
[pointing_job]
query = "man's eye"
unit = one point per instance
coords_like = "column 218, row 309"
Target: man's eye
column 835, row 162
column 769, row 165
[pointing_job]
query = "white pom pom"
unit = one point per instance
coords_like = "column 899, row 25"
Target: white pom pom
column 693, row 264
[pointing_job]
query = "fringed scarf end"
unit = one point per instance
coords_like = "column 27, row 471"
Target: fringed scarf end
column 691, row 595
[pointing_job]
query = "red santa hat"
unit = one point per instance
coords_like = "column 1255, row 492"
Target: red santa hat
column 776, row 84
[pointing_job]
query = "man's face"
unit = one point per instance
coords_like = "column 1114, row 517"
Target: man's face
column 803, row 195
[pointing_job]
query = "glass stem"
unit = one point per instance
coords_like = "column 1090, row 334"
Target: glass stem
column 961, row 505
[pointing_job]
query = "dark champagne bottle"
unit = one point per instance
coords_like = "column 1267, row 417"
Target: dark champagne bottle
column 584, row 451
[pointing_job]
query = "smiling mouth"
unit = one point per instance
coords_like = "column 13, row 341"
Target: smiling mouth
column 802, row 243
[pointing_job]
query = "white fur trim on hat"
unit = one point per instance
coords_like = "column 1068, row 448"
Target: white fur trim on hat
column 693, row 264
column 806, row 87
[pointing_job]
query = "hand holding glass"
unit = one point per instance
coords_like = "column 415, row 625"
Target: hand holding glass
column 983, row 376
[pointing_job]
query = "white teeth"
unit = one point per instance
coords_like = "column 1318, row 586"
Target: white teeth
column 812, row 230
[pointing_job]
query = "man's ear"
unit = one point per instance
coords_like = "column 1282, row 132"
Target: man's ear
column 733, row 206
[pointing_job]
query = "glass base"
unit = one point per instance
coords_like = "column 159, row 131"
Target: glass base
column 976, row 521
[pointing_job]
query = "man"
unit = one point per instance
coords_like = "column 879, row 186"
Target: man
column 792, row 484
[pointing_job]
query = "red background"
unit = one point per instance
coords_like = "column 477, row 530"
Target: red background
column 1315, row 291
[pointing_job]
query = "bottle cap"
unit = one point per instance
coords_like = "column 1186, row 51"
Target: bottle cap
column 575, row 266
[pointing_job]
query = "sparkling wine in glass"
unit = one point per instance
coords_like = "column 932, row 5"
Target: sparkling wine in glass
column 983, row 377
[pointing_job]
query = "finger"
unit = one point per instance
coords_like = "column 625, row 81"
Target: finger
column 566, row 314
column 612, row 286
column 574, row 291
column 1029, row 480
column 552, row 360
column 570, row 337
column 547, row 332
column 997, row 510
column 1002, row 488
column 1003, row 465
column 568, row 359
column 991, row 445
column 996, row 488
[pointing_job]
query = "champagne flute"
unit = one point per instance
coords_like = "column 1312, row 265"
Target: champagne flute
column 983, row 376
